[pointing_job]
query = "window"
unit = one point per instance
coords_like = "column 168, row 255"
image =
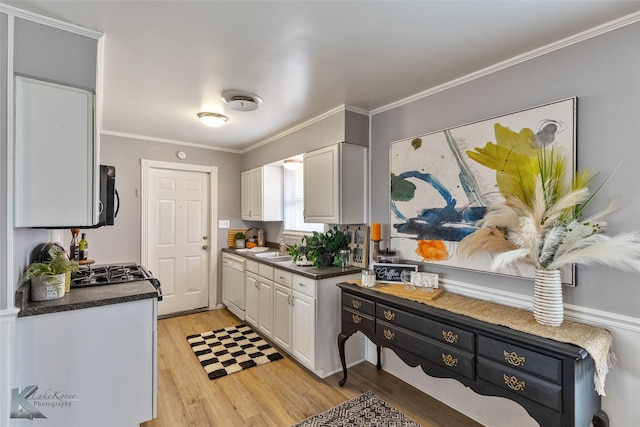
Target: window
column 294, row 203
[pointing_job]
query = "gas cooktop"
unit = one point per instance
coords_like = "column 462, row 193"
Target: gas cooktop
column 112, row 274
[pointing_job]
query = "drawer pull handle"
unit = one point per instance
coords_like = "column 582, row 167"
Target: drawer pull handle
column 389, row 315
column 449, row 360
column 356, row 319
column 389, row 335
column 450, row 337
column 513, row 383
column 513, row 358
column 356, row 303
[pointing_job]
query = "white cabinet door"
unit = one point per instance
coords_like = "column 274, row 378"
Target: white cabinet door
column 335, row 184
column 265, row 307
column 304, row 329
column 256, row 194
column 262, row 194
column 282, row 317
column 245, row 189
column 321, row 185
column 251, row 302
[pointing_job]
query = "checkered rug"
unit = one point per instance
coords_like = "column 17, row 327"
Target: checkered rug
column 229, row 350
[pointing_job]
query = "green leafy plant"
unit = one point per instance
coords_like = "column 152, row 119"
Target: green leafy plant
column 240, row 236
column 323, row 250
column 60, row 264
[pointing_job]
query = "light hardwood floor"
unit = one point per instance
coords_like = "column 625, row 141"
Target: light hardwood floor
column 280, row 393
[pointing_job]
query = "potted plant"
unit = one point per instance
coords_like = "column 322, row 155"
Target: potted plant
column 240, row 238
column 48, row 277
column 323, row 250
column 541, row 223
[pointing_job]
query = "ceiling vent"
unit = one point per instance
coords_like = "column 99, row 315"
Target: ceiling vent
column 241, row 101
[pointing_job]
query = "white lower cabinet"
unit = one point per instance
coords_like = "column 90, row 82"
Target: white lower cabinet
column 251, row 295
column 259, row 297
column 304, row 329
column 93, row 366
column 282, row 315
column 301, row 316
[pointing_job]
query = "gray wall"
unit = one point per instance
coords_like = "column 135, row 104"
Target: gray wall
column 343, row 126
column 604, row 73
column 121, row 242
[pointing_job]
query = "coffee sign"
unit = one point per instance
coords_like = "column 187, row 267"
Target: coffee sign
column 391, row 273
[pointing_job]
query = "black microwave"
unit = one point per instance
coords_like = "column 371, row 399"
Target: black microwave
column 109, row 203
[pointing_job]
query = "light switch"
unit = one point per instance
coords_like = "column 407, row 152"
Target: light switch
column 223, row 223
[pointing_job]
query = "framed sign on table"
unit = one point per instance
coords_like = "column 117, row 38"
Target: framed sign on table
column 443, row 182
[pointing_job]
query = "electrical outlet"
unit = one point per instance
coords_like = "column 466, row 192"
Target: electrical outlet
column 223, row 223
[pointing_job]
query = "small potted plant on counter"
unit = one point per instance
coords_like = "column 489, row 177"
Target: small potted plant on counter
column 240, row 238
column 48, row 277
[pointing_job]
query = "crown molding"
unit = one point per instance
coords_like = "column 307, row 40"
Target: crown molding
column 552, row 47
column 167, row 141
column 45, row 20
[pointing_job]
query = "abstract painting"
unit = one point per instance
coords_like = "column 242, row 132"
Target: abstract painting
column 442, row 183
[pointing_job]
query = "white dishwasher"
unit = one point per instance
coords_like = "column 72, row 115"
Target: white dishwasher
column 233, row 288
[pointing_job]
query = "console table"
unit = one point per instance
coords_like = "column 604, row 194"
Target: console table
column 553, row 381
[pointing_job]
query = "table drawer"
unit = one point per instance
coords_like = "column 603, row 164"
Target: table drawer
column 360, row 321
column 520, row 359
column 534, row 388
column 359, row 304
column 443, row 355
column 440, row 332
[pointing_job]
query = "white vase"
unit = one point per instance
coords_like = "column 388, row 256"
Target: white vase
column 45, row 288
column 548, row 307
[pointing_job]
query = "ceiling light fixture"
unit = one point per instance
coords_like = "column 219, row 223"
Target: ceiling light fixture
column 212, row 119
column 292, row 164
column 241, row 101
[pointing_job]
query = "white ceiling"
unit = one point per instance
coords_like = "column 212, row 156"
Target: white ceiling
column 165, row 61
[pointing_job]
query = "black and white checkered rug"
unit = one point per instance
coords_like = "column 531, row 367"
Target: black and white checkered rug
column 229, row 350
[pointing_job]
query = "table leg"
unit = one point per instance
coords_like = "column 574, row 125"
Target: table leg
column 342, row 338
column 378, row 365
column 601, row 419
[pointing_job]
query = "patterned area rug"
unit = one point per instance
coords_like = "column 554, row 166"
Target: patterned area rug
column 365, row 410
column 229, row 350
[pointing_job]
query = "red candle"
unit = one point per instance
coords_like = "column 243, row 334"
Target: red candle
column 375, row 231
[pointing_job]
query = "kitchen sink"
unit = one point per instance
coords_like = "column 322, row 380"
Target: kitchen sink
column 274, row 256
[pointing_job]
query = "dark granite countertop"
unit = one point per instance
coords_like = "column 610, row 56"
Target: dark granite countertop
column 88, row 297
column 310, row 271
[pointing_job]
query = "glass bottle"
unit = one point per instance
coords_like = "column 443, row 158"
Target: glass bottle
column 73, row 247
column 83, row 246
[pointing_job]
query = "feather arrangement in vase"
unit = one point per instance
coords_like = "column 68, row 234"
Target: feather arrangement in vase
column 541, row 223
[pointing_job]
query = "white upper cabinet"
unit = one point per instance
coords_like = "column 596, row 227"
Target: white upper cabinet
column 262, row 194
column 56, row 148
column 335, row 184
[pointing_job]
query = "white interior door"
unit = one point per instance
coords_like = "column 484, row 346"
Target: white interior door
column 179, row 237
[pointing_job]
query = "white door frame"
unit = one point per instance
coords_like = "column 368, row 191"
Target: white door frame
column 213, row 216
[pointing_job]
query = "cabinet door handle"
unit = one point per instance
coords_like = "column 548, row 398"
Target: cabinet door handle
column 450, row 337
column 356, row 303
column 389, row 335
column 513, row 358
column 356, row 319
column 513, row 383
column 449, row 360
column 389, row 315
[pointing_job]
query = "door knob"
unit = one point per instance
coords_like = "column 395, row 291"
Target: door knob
column 205, row 237
column 205, row 247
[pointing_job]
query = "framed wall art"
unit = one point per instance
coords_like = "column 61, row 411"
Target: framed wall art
column 442, row 183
